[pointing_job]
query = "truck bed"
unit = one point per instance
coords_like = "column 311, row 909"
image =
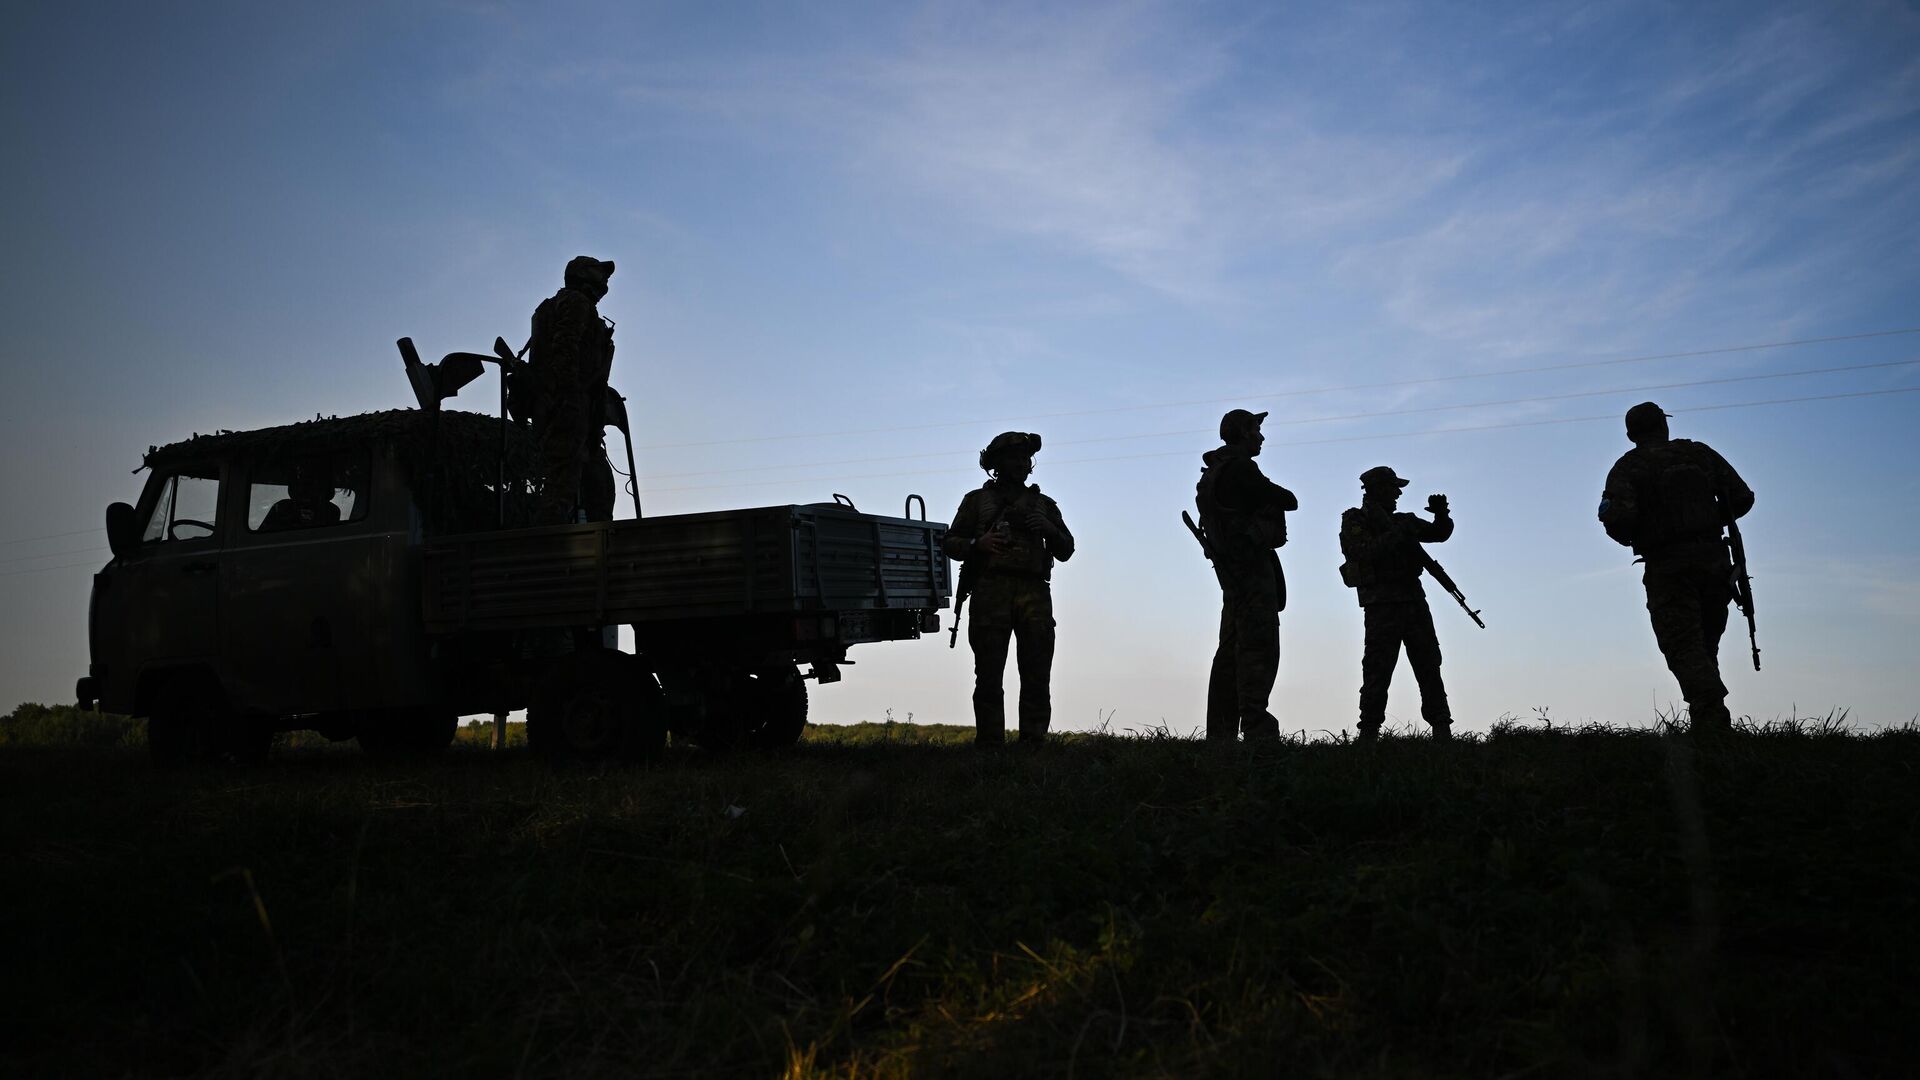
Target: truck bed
column 761, row 561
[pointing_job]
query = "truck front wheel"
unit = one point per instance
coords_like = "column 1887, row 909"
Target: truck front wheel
column 191, row 721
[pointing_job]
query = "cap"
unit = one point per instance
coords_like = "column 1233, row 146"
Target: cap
column 1380, row 476
column 1238, row 423
column 1645, row 416
column 1009, row 444
column 589, row 266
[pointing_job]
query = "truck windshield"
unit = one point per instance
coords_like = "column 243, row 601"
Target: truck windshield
column 187, row 508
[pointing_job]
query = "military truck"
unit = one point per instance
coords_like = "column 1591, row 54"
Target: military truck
column 369, row 578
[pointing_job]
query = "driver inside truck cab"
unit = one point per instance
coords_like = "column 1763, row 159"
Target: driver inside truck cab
column 309, row 502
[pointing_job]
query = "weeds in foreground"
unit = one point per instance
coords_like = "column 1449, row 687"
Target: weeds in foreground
column 1563, row 898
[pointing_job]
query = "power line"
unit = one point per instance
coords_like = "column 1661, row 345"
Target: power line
column 1332, row 419
column 1424, row 381
column 52, row 555
column 44, row 569
column 1308, row 442
column 49, row 536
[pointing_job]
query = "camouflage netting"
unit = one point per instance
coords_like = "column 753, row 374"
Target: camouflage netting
column 452, row 464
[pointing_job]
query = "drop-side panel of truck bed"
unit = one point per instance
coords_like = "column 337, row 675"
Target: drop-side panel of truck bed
column 766, row 560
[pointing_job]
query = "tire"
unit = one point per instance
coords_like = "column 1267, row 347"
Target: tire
column 406, row 733
column 775, row 709
column 598, row 705
column 192, row 722
column 764, row 710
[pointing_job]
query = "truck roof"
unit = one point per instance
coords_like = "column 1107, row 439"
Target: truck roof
column 460, row 434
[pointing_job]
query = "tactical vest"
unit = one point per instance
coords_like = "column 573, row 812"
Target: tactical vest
column 1678, row 495
column 1265, row 527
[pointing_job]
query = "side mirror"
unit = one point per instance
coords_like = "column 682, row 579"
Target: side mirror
column 123, row 531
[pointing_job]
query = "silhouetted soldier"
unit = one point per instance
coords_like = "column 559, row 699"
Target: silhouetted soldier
column 572, row 354
column 1384, row 561
column 1009, row 535
column 1668, row 499
column 1244, row 517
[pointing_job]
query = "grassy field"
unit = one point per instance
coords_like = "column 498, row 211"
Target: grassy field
column 887, row 901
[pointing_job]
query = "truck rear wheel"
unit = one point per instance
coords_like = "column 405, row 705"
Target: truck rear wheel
column 598, row 705
column 774, row 708
column 763, row 710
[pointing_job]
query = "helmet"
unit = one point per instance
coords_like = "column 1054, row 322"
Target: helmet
column 1238, row 424
column 1009, row 444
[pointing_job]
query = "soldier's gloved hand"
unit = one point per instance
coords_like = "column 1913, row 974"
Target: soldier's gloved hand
column 1436, row 504
column 989, row 543
column 1038, row 522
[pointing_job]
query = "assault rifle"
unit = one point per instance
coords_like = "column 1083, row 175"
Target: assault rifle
column 1434, row 570
column 1742, row 582
column 1205, row 544
column 964, row 587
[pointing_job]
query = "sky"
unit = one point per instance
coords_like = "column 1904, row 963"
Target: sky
column 855, row 241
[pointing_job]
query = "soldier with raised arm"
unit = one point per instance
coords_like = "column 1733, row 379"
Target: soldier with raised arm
column 1243, row 516
column 1668, row 500
column 572, row 356
column 1009, row 535
column 1384, row 562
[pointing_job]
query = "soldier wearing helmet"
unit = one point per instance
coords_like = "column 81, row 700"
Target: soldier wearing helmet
column 1668, row 499
column 572, row 355
column 1384, row 562
column 1009, row 535
column 1244, row 518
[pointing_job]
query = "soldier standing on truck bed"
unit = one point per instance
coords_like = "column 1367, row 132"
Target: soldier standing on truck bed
column 1008, row 536
column 1668, row 499
column 1243, row 516
column 572, row 355
column 1384, row 561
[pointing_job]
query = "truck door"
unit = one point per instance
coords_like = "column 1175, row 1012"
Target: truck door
column 162, row 601
column 296, row 588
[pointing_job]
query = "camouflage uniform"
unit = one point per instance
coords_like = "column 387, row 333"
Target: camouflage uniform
column 1383, row 565
column 1667, row 500
column 1011, row 598
column 572, row 355
column 1244, row 516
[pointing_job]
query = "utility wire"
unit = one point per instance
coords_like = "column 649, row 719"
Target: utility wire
column 1332, row 419
column 1425, row 381
column 52, row 555
column 1503, row 425
column 1177, row 404
column 1309, row 442
column 49, row 536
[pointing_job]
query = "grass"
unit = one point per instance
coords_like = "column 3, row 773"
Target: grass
column 887, row 901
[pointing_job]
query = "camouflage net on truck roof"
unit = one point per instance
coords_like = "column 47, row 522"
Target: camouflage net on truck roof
column 452, row 460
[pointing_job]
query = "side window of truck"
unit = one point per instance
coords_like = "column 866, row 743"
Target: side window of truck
column 307, row 492
column 188, row 506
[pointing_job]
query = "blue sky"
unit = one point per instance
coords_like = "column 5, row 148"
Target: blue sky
column 855, row 241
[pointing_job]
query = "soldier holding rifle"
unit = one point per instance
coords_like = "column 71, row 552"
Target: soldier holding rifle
column 1384, row 563
column 1243, row 519
column 1668, row 499
column 1007, row 536
column 572, row 348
